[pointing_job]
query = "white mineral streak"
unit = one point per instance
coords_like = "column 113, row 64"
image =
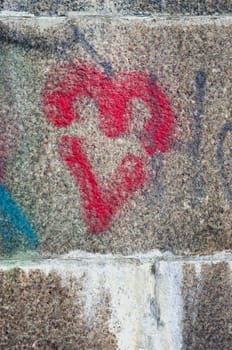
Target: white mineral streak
column 169, row 298
column 197, row 267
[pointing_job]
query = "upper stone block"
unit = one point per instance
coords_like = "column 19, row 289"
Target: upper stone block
column 115, row 134
column 122, row 7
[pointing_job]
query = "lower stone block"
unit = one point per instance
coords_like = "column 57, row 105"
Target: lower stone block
column 87, row 302
column 39, row 311
column 207, row 321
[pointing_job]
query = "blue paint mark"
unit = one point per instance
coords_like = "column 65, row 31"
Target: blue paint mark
column 13, row 222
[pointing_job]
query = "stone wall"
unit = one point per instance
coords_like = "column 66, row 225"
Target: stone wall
column 115, row 175
column 131, row 7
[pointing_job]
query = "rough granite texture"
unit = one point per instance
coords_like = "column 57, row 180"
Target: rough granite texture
column 122, row 7
column 185, row 204
column 208, row 307
column 41, row 311
column 115, row 136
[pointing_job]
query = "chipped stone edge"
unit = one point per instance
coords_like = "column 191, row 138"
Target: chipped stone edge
column 98, row 258
column 154, row 19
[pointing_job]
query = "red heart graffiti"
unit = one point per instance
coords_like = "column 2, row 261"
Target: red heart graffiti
column 114, row 100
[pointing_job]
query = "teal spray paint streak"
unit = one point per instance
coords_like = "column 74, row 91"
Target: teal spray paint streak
column 14, row 221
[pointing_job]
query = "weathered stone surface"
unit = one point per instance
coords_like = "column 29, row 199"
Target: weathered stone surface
column 41, row 311
column 173, row 191
column 132, row 7
column 199, row 7
column 62, row 7
column 202, row 307
column 91, row 301
column 207, row 320
column 152, row 302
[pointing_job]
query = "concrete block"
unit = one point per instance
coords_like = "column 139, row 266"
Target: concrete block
column 199, row 7
column 61, row 7
column 116, row 134
column 207, row 319
column 90, row 302
column 122, row 7
column 40, row 311
column 202, row 301
column 140, row 302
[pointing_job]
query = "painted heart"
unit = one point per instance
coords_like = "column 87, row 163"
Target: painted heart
column 66, row 83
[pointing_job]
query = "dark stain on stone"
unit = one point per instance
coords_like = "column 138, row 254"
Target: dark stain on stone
column 224, row 132
column 197, row 179
column 80, row 37
column 51, row 44
column 208, row 307
column 38, row 312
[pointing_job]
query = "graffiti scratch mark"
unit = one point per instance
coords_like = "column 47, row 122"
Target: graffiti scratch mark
column 197, row 180
column 54, row 45
column 221, row 159
column 80, row 37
